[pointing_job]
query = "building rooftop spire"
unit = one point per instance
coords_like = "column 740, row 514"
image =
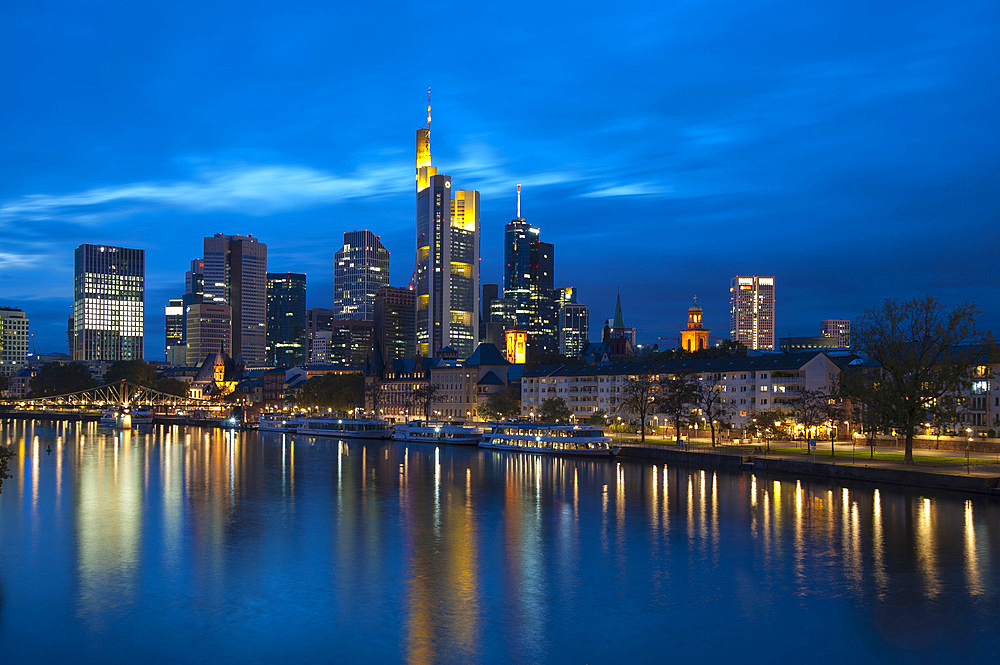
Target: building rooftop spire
column 519, row 201
column 619, row 322
column 428, row 108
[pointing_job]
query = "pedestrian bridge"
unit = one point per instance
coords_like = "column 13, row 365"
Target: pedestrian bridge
column 122, row 395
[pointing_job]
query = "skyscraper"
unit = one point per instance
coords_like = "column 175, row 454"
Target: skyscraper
column 14, row 340
column 574, row 329
column 751, row 311
column 108, row 301
column 446, row 274
column 361, row 267
column 174, row 329
column 393, row 329
column 286, row 319
column 209, row 330
column 839, row 329
column 528, row 280
column 236, row 275
column 319, row 328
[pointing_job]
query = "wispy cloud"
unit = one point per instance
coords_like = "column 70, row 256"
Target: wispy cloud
column 632, row 189
column 252, row 189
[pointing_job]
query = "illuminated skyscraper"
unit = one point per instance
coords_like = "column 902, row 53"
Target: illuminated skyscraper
column 574, row 329
column 446, row 274
column 209, row 330
column 109, row 293
column 393, row 329
column 528, row 280
column 751, row 311
column 286, row 319
column 361, row 267
column 235, row 274
column 14, row 340
column 839, row 329
column 174, row 328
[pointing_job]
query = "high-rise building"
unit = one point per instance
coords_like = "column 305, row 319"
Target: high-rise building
column 14, row 340
column 393, row 326
column 286, row 319
column 840, row 329
column 209, row 330
column 194, row 279
column 574, row 329
column 446, row 273
column 235, row 274
column 360, row 268
column 529, row 267
column 350, row 343
column 108, row 301
column 488, row 293
column 174, row 328
column 751, row 311
column 319, row 321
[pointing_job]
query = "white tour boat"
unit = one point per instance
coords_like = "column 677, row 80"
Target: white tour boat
column 279, row 422
column 452, row 432
column 345, row 426
column 549, row 438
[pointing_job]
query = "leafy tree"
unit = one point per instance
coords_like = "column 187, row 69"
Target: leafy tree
column 677, row 395
column 919, row 355
column 374, row 395
column 709, row 400
column 424, row 396
column 810, row 408
column 339, row 392
column 135, row 371
column 172, row 386
column 498, row 407
column 598, row 417
column 554, row 410
column 637, row 398
column 4, row 382
column 59, row 379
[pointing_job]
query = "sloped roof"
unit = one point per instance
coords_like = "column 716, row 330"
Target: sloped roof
column 776, row 362
column 487, row 354
column 490, row 379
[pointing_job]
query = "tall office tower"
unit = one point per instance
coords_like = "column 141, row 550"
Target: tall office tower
column 528, row 280
column 446, row 274
column 236, row 275
column 14, row 340
column 394, row 322
column 488, row 293
column 751, row 311
column 351, row 343
column 209, row 330
column 108, row 301
column 574, row 329
column 194, row 279
column 566, row 296
column 174, row 328
column 840, row 329
column 361, row 267
column 286, row 319
column 319, row 321
column 69, row 334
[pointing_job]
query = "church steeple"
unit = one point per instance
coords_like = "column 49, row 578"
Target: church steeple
column 619, row 322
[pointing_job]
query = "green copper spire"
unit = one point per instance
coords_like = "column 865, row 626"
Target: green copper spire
column 619, row 321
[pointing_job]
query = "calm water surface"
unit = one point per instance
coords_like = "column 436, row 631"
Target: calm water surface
column 189, row 545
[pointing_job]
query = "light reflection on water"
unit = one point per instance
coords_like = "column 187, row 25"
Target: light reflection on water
column 189, row 544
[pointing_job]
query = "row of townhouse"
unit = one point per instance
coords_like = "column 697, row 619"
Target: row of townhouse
column 748, row 385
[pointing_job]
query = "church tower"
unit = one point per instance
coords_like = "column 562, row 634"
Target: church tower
column 694, row 337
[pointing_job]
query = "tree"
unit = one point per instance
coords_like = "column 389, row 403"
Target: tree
column 554, row 410
column 338, row 392
column 710, row 401
column 498, row 407
column 4, row 382
column 598, row 417
column 59, row 379
column 677, row 394
column 637, row 398
column 172, row 386
column 135, row 371
column 374, row 395
column 918, row 354
column 810, row 408
column 424, row 396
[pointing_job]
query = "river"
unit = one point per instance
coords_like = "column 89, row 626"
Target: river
column 203, row 546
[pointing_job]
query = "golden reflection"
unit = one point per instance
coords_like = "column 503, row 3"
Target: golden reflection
column 926, row 548
column 972, row 574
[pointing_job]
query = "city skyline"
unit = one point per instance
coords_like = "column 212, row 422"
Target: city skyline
column 834, row 152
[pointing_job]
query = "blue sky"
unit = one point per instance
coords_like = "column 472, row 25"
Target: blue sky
column 850, row 149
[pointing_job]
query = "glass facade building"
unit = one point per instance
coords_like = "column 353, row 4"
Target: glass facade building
column 14, row 340
column 235, row 274
column 751, row 311
column 108, row 302
column 529, row 267
column 394, row 322
column 286, row 319
column 361, row 267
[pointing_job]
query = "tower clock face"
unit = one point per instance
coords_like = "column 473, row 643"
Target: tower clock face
column 447, row 185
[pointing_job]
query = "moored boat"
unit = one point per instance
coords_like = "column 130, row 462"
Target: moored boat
column 549, row 438
column 451, row 432
column 341, row 425
column 279, row 422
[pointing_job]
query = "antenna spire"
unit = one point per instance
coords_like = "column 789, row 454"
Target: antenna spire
column 428, row 108
column 519, row 201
